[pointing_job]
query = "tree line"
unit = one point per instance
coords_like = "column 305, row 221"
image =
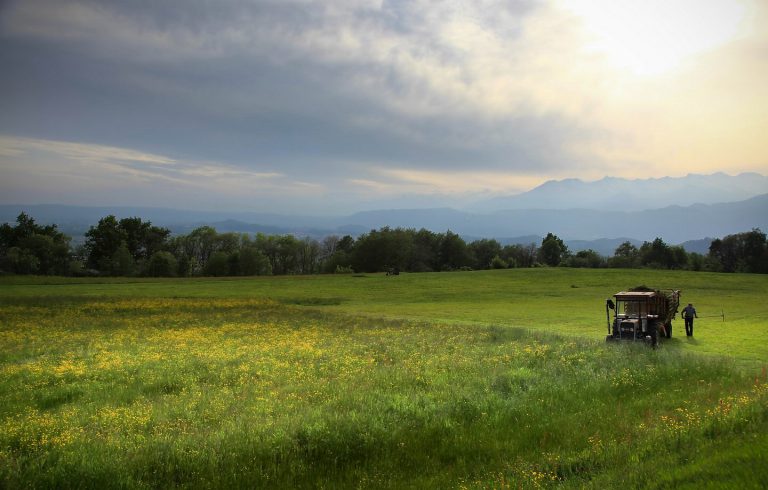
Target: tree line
column 133, row 247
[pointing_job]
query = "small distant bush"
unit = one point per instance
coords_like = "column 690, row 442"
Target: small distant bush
column 498, row 263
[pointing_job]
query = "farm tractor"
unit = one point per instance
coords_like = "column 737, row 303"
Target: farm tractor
column 642, row 314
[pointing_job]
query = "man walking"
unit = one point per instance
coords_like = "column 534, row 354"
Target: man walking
column 689, row 313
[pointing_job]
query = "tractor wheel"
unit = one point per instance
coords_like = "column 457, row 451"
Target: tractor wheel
column 668, row 326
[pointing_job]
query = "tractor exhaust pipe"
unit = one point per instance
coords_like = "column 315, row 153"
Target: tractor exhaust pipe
column 608, row 307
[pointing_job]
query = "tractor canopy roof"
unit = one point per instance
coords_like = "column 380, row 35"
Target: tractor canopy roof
column 635, row 295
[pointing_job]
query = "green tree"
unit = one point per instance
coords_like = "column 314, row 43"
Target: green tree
column 484, row 251
column 52, row 252
column 308, row 253
column 586, row 259
column 518, row 255
column 106, row 239
column 625, row 256
column 253, row 262
column 217, row 264
column 655, row 254
column 335, row 253
column 162, row 264
column 21, row 261
column 193, row 251
column 679, row 257
column 498, row 263
column 346, row 244
column 425, row 251
column 121, row 263
column 659, row 255
column 741, row 252
column 454, row 253
column 755, row 251
column 287, row 255
column 382, row 249
column 268, row 245
column 696, row 261
column 553, row 250
column 142, row 238
column 102, row 242
column 201, row 244
column 29, row 248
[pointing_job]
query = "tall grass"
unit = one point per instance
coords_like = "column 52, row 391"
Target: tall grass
column 129, row 392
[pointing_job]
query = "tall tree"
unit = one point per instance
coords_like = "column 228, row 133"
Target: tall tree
column 741, row 252
column 253, row 262
column 517, row 255
column 626, row 255
column 383, row 249
column 454, row 253
column 29, row 248
column 658, row 254
column 104, row 243
column 337, row 253
column 553, row 250
column 484, row 251
column 308, row 251
column 287, row 255
column 426, row 251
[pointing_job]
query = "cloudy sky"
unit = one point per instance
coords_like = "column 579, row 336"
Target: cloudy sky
column 307, row 106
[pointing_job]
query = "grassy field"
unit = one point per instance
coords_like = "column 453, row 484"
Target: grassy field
column 497, row 379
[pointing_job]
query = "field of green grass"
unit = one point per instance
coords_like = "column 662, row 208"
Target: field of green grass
column 493, row 379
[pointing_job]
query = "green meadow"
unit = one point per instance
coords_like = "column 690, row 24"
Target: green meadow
column 491, row 379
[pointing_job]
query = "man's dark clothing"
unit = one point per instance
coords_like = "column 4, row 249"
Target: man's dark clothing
column 689, row 313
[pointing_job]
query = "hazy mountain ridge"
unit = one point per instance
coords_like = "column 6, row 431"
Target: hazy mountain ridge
column 699, row 246
column 612, row 193
column 581, row 228
column 675, row 224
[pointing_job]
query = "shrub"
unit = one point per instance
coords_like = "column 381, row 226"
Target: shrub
column 162, row 264
column 498, row 263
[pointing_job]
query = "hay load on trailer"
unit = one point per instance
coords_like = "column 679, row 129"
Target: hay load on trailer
column 642, row 314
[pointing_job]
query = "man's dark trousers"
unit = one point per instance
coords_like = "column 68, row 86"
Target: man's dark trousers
column 689, row 326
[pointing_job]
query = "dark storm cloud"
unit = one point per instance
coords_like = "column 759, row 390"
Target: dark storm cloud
column 324, row 90
column 345, row 98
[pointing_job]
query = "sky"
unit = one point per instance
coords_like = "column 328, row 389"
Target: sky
column 322, row 107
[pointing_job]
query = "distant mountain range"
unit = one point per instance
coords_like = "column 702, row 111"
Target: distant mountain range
column 581, row 228
column 618, row 194
column 675, row 224
column 599, row 221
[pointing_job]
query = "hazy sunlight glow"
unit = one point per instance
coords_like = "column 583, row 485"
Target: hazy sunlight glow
column 651, row 37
